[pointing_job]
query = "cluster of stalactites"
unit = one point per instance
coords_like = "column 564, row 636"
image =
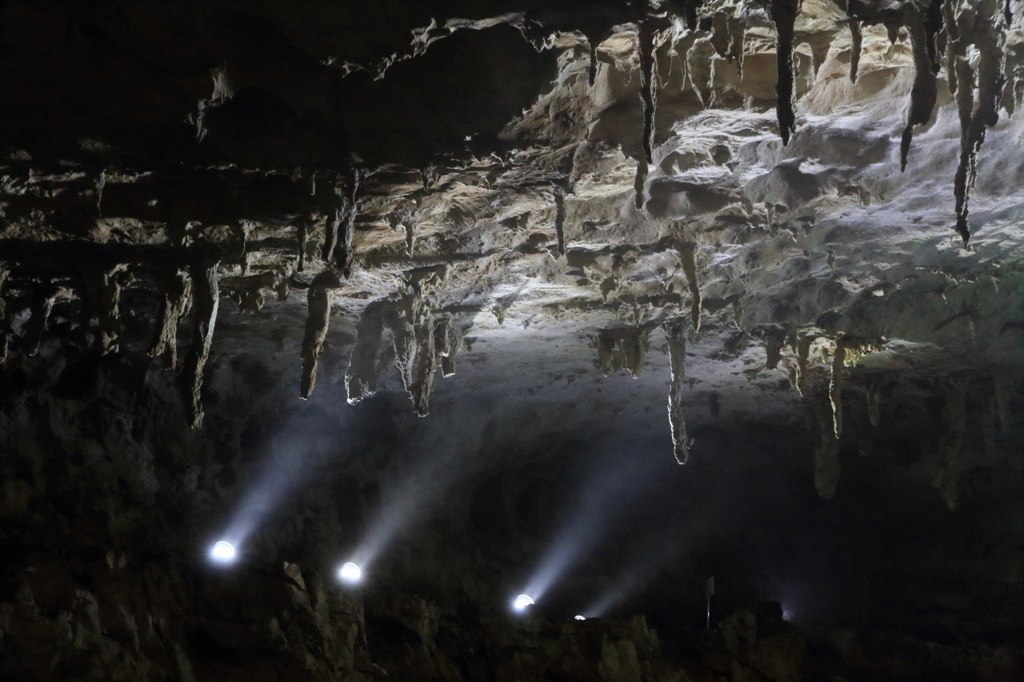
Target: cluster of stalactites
column 622, row 348
column 337, row 251
column 192, row 285
column 423, row 340
column 953, row 30
column 838, row 352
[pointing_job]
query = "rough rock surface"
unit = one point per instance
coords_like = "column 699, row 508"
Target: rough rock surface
column 239, row 241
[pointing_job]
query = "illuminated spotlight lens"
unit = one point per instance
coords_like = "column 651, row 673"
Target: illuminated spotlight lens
column 350, row 573
column 223, row 552
column 522, row 601
column 581, row 618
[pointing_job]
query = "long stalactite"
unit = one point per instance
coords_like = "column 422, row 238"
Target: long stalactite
column 176, row 289
column 783, row 14
column 681, row 443
column 835, row 386
column 205, row 304
column 688, row 257
column 827, row 469
column 924, row 92
column 985, row 29
column 648, row 102
column 362, row 374
column 318, row 318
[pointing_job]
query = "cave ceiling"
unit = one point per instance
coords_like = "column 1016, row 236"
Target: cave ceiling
column 755, row 212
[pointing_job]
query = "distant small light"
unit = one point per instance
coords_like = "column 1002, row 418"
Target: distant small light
column 223, row 552
column 522, row 601
column 350, row 573
column 581, row 618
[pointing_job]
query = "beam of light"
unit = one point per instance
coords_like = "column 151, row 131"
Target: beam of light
column 223, row 552
column 611, row 599
column 654, row 554
column 522, row 601
column 604, row 495
column 293, row 451
column 404, row 506
column 350, row 573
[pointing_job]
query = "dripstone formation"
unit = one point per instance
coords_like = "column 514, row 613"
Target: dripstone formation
column 473, row 279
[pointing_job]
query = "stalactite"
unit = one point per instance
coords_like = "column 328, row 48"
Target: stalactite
column 361, row 376
column 410, row 237
column 332, row 228
column 738, row 31
column 343, row 252
column 720, row 37
column 774, row 337
column 892, row 29
column 301, row 245
column 447, row 338
column 728, row 33
column 954, row 45
column 827, row 469
column 633, row 346
column 924, row 91
column 318, row 317
column 989, row 36
column 803, row 351
column 624, row 347
column 951, row 444
column 560, row 219
column 101, row 299
column 176, row 289
column 835, row 385
column 783, row 14
column 415, row 355
column 700, row 69
column 205, row 303
column 820, row 43
column 648, row 101
column 687, row 9
column 933, row 28
column 856, row 42
column 688, row 256
column 340, row 227
column 608, row 360
column 592, row 70
column 412, row 327
column 681, row 443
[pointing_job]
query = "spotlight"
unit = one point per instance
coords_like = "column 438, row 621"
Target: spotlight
column 522, row 601
column 580, row 617
column 223, row 552
column 350, row 573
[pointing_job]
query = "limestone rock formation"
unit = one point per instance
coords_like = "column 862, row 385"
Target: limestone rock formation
column 239, row 241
